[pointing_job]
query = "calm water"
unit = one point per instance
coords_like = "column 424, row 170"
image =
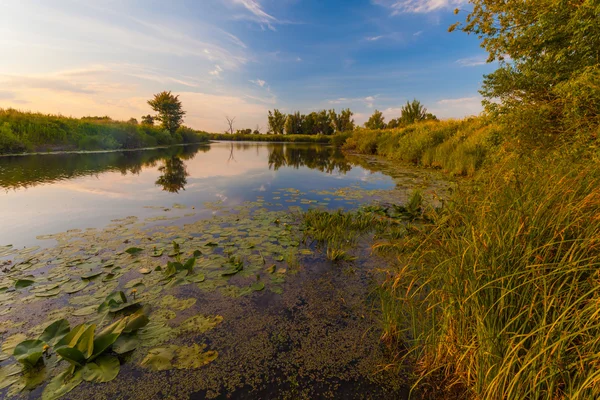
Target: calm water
column 45, row 194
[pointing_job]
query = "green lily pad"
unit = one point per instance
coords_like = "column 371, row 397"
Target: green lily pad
column 91, row 275
column 9, row 375
column 75, row 286
column 197, row 278
column 51, row 293
column 62, row 384
column 159, row 359
column 258, row 286
column 157, row 253
column 29, row 352
column 89, row 310
column 8, row 346
column 125, row 344
column 133, row 250
column 104, row 369
column 23, row 283
column 55, row 331
column 200, row 323
column 145, row 271
column 193, row 357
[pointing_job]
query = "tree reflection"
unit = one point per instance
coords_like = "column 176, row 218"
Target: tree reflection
column 324, row 159
column 174, row 175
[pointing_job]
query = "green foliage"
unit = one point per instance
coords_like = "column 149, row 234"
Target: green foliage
column 271, row 138
column 549, row 53
column 276, row 121
column 293, row 124
column 23, row 131
column 376, row 121
column 459, row 147
column 413, row 112
column 29, row 352
column 342, row 122
column 169, row 109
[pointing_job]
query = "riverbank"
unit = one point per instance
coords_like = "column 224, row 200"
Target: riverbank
column 494, row 294
column 26, row 132
column 236, row 137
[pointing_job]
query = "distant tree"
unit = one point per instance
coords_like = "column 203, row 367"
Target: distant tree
column 293, row 124
column 309, row 124
column 376, row 121
column 257, row 130
column 413, row 112
column 173, row 176
column 394, row 123
column 132, row 121
column 324, row 124
column 148, row 120
column 342, row 122
column 243, row 131
column 276, row 122
column 169, row 109
column 230, row 123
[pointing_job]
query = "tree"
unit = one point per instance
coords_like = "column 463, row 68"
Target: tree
column 549, row 54
column 414, row 112
column 132, row 121
column 376, row 121
column 324, row 124
column 230, row 123
column 169, row 109
column 293, row 124
column 276, row 122
column 148, row 120
column 257, row 130
column 342, row 122
column 394, row 123
column 174, row 175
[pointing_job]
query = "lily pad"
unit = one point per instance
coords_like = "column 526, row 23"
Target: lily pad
column 104, row 369
column 159, row 359
column 74, row 287
column 8, row 346
column 29, row 352
column 125, row 344
column 23, row 283
column 134, row 250
column 91, row 275
column 157, row 253
column 55, row 331
column 193, row 357
column 89, row 310
column 258, row 286
column 62, row 384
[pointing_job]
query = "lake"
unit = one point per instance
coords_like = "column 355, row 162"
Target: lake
column 205, row 246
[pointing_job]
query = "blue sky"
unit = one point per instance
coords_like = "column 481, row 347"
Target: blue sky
column 237, row 57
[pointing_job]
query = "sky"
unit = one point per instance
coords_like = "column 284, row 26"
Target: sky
column 238, row 58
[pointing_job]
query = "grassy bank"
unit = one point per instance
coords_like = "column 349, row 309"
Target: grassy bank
column 24, row 132
column 496, row 294
column 237, row 137
column 456, row 146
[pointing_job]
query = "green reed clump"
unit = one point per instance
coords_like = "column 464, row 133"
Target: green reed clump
column 25, row 131
column 456, row 146
column 502, row 294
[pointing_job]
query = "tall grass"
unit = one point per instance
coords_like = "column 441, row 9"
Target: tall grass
column 23, row 131
column 502, row 295
column 456, row 146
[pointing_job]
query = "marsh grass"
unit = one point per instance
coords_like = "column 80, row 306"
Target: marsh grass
column 500, row 296
column 458, row 147
column 240, row 137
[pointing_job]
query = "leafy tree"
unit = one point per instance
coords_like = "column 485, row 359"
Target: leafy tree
column 276, row 122
column 394, row 123
column 173, row 175
column 376, row 121
column 293, row 124
column 342, row 122
column 132, row 121
column 148, row 120
column 323, row 124
column 169, row 109
column 413, row 112
column 309, row 124
column 549, row 54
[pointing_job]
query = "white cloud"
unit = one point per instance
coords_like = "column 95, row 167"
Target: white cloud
column 257, row 13
column 417, row 6
column 472, row 61
column 217, row 71
column 259, row 82
column 373, row 38
column 418, row 33
column 457, row 108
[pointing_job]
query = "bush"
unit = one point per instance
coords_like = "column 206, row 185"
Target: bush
column 9, row 142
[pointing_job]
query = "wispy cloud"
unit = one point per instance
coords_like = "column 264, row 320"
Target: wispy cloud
column 259, row 82
column 368, row 101
column 472, row 61
column 257, row 14
column 457, row 108
column 373, row 38
column 217, row 71
column 417, row 6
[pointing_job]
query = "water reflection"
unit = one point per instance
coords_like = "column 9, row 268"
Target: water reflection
column 174, row 175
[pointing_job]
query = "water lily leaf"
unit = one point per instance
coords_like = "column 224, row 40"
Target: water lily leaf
column 91, row 275
column 75, row 286
column 258, row 286
column 197, row 253
column 157, row 253
column 211, row 244
column 279, row 258
column 197, row 278
column 48, row 294
column 71, row 338
column 29, row 352
column 135, row 321
column 23, row 283
column 159, row 359
column 55, row 331
column 174, row 303
column 108, row 336
column 71, row 354
column 104, row 369
column 44, row 288
column 8, row 346
column 193, row 357
column 200, row 323
column 62, row 384
column 125, row 344
column 133, row 250
column 271, row 269
column 145, row 271
column 9, row 375
column 89, row 310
